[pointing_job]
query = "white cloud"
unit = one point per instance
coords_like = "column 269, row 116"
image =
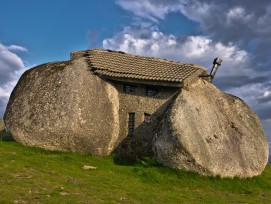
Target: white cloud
column 155, row 10
column 198, row 11
column 237, row 22
column 6, row 89
column 267, row 93
column 5, row 92
column 195, row 49
column 237, row 14
column 9, row 60
column 151, row 10
column 16, row 48
column 11, row 68
column 252, row 93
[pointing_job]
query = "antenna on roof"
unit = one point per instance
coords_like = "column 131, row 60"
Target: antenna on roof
column 216, row 63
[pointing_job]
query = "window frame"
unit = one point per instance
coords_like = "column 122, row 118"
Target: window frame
column 131, row 123
column 147, row 118
column 152, row 91
column 128, row 88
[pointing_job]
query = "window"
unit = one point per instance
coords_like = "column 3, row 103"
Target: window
column 151, row 91
column 131, row 124
column 147, row 118
column 128, row 88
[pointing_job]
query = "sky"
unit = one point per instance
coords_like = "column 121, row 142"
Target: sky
column 33, row 32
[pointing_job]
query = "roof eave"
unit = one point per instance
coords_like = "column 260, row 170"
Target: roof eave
column 142, row 81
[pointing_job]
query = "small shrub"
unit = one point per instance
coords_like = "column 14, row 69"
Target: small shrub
column 6, row 136
column 148, row 162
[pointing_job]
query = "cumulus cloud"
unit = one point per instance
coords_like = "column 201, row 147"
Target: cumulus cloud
column 246, row 22
column 11, row 68
column 257, row 96
column 197, row 49
column 153, row 10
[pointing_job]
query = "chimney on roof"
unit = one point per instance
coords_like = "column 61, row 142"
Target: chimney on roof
column 216, row 63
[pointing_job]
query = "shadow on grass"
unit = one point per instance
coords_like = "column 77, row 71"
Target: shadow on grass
column 6, row 136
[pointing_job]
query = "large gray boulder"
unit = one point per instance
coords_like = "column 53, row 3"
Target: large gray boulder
column 63, row 106
column 212, row 133
column 2, row 125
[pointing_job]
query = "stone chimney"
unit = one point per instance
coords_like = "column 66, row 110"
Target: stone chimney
column 216, row 63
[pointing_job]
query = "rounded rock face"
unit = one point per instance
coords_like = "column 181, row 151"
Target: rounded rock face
column 212, row 133
column 63, row 106
column 2, row 125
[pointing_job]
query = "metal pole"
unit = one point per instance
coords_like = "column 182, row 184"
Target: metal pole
column 217, row 62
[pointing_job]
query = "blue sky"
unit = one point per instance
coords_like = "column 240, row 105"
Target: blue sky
column 34, row 32
column 51, row 29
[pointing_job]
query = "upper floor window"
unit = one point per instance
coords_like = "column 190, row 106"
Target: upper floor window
column 128, row 88
column 147, row 118
column 151, row 91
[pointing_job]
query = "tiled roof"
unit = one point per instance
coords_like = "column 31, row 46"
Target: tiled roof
column 121, row 65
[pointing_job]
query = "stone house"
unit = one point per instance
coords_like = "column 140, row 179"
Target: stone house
column 146, row 85
column 104, row 102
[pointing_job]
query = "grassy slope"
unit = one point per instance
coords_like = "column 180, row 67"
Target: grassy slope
column 32, row 175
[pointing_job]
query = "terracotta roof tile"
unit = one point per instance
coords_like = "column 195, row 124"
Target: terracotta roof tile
column 122, row 65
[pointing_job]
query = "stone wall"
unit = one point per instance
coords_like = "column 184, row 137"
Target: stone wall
column 139, row 144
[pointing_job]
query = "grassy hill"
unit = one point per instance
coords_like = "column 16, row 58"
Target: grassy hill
column 33, row 175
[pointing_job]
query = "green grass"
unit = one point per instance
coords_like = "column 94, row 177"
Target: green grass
column 33, row 175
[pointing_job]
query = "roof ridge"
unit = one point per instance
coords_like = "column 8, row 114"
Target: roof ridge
column 146, row 57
